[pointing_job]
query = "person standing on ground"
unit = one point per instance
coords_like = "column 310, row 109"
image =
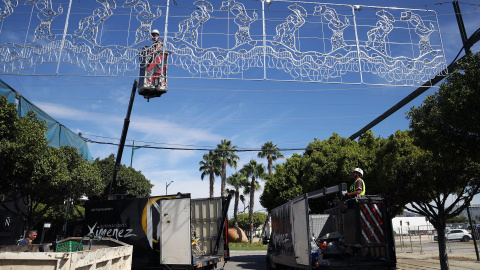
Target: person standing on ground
column 358, row 186
column 31, row 235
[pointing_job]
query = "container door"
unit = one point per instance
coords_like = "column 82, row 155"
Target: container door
column 300, row 233
column 175, row 236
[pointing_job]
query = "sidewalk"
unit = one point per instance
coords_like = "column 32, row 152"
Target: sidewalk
column 461, row 255
column 429, row 260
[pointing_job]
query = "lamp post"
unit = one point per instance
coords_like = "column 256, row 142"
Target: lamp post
column 166, row 187
column 133, row 150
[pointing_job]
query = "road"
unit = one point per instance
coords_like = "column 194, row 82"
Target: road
column 462, row 256
column 241, row 260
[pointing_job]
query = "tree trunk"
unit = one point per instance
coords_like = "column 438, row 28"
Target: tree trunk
column 212, row 181
column 224, row 177
column 265, row 226
column 250, row 210
column 235, row 208
column 442, row 246
column 270, row 166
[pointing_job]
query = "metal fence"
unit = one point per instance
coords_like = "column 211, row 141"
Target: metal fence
column 420, row 238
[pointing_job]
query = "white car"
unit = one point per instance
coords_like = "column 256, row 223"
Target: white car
column 456, row 234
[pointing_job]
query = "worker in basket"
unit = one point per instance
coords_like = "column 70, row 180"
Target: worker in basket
column 157, row 40
column 358, row 186
column 155, row 68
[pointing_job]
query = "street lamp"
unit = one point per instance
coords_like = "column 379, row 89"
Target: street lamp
column 166, row 187
column 133, row 150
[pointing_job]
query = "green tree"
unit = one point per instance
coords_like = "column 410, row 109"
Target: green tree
column 458, row 219
column 85, row 177
column 226, row 155
column 284, row 184
column 255, row 171
column 210, row 166
column 446, row 125
column 237, row 181
column 331, row 162
column 30, row 168
column 130, row 182
column 271, row 152
column 259, row 219
column 35, row 172
column 396, row 171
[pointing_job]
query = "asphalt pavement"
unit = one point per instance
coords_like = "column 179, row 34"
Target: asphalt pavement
column 410, row 255
column 251, row 260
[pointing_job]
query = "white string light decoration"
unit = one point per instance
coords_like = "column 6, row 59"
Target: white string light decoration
column 231, row 39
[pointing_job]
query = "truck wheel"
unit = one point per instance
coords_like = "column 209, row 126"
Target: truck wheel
column 270, row 265
column 465, row 238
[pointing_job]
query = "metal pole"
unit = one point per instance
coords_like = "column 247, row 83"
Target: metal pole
column 473, row 235
column 461, row 27
column 166, row 187
column 131, row 157
column 43, row 233
column 420, row 236
column 67, row 205
column 410, row 236
column 126, row 123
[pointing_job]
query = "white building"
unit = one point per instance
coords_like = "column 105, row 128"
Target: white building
column 474, row 212
column 414, row 225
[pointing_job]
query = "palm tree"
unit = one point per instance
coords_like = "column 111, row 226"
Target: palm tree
column 270, row 151
column 226, row 155
column 210, row 166
column 256, row 171
column 237, row 181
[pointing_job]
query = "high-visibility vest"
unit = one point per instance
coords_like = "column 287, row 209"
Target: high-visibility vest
column 354, row 186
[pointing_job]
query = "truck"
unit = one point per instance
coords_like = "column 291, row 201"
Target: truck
column 323, row 230
column 167, row 232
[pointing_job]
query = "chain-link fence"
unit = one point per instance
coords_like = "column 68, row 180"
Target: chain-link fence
column 423, row 238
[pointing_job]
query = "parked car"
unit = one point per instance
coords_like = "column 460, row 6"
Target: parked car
column 456, row 234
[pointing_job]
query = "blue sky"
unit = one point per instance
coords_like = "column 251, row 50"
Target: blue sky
column 199, row 113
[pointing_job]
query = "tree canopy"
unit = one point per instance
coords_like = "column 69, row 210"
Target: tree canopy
column 259, row 219
column 447, row 126
column 130, row 182
column 44, row 176
column 32, row 169
column 210, row 165
column 225, row 154
column 271, row 152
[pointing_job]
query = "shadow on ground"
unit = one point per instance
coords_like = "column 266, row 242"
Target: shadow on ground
column 254, row 262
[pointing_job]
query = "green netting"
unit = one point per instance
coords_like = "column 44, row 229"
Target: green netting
column 69, row 246
column 57, row 134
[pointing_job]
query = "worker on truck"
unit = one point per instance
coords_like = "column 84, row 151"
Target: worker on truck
column 358, row 186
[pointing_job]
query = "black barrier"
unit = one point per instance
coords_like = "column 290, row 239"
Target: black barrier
column 126, row 220
column 11, row 226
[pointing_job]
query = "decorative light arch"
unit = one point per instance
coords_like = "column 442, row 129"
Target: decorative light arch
column 287, row 40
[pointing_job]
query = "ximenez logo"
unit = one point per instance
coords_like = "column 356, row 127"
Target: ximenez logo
column 111, row 230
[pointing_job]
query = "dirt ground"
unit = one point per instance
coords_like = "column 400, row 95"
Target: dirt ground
column 424, row 255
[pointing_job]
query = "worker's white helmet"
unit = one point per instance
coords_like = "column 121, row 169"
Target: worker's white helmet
column 360, row 171
column 155, row 31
